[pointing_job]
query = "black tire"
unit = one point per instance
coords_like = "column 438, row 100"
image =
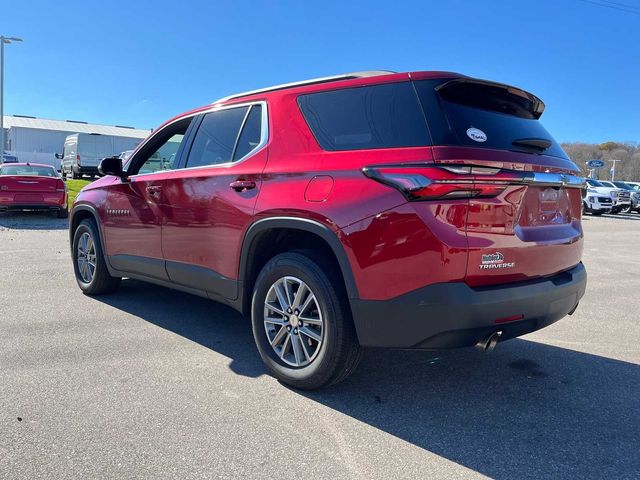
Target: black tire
column 615, row 211
column 101, row 282
column 628, row 209
column 63, row 212
column 339, row 353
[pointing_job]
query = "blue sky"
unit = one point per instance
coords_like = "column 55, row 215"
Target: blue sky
column 130, row 64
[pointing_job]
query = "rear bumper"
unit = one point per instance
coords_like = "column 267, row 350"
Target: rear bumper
column 42, row 206
column 85, row 170
column 450, row 315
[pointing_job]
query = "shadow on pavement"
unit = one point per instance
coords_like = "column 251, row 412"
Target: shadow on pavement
column 32, row 220
column 528, row 410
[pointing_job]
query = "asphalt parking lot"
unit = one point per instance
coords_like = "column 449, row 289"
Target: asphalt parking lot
column 152, row 383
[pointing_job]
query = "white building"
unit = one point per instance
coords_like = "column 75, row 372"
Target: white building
column 37, row 140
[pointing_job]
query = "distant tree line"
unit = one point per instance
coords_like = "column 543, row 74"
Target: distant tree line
column 628, row 168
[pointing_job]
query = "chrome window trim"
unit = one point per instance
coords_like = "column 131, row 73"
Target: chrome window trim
column 264, row 136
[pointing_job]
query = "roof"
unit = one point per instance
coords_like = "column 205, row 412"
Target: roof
column 73, row 126
column 355, row 79
column 312, row 81
column 26, row 164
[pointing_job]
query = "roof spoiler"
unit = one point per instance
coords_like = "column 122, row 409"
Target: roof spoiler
column 525, row 100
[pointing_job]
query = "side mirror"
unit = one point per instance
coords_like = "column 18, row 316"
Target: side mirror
column 111, row 166
column 59, row 156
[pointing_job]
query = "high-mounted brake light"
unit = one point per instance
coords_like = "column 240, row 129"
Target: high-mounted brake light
column 430, row 182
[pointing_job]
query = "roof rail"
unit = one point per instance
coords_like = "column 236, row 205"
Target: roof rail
column 344, row 76
column 23, row 116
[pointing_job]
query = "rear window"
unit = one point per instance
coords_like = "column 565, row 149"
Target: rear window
column 27, row 170
column 484, row 115
column 379, row 116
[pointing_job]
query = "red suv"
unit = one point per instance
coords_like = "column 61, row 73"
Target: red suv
column 422, row 210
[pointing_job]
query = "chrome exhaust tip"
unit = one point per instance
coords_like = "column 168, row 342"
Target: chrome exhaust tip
column 488, row 343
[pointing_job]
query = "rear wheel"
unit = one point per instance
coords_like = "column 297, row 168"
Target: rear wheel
column 302, row 323
column 63, row 212
column 88, row 261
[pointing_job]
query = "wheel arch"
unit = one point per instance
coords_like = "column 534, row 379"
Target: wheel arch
column 78, row 214
column 263, row 230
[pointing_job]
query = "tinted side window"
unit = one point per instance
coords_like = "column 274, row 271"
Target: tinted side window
column 251, row 133
column 380, row 116
column 216, row 137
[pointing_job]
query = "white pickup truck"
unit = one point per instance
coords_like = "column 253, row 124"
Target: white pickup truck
column 621, row 199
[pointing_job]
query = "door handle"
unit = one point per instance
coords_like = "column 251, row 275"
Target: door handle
column 242, row 185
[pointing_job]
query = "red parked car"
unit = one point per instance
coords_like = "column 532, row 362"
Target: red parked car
column 422, row 210
column 32, row 186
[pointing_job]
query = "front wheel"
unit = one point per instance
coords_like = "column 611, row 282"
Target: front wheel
column 301, row 322
column 88, row 261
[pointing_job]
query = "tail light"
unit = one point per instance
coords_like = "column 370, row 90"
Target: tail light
column 60, row 185
column 431, row 182
column 78, row 159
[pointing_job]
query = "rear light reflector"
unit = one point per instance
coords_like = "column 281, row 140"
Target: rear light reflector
column 512, row 318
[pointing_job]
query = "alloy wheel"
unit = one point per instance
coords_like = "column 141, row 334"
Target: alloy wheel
column 293, row 321
column 86, row 256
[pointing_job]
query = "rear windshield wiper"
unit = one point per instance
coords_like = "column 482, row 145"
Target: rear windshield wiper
column 535, row 143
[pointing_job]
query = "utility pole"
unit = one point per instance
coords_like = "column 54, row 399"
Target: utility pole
column 3, row 41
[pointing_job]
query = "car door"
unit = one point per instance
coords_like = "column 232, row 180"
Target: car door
column 211, row 200
column 135, row 206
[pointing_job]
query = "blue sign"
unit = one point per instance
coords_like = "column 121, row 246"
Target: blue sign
column 595, row 164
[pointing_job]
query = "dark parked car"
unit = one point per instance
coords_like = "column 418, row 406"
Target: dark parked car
column 421, row 210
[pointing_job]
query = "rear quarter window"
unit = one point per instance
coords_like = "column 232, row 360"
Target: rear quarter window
column 378, row 116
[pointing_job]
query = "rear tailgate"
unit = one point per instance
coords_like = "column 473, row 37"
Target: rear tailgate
column 29, row 184
column 525, row 208
column 531, row 228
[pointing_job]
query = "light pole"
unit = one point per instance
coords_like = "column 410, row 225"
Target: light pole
column 3, row 40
